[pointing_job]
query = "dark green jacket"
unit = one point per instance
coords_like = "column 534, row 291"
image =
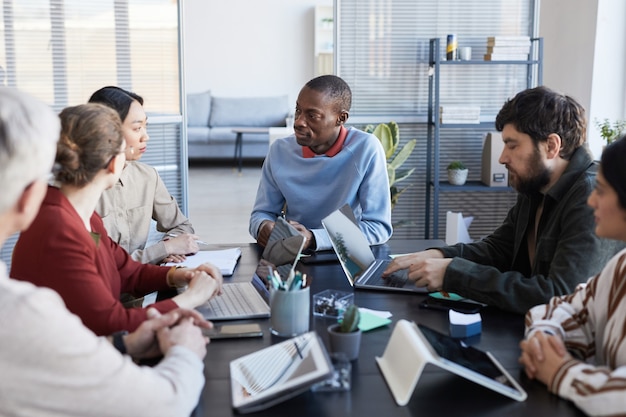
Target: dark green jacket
column 496, row 270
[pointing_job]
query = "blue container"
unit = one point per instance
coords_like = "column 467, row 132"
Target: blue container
column 452, row 48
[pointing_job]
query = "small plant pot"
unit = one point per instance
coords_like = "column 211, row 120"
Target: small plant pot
column 457, row 176
column 346, row 343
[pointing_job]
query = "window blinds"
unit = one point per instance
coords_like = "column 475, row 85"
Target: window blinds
column 382, row 52
column 61, row 51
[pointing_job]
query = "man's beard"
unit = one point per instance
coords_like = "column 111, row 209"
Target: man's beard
column 538, row 176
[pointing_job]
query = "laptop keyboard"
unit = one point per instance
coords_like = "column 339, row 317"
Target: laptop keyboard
column 237, row 300
column 397, row 279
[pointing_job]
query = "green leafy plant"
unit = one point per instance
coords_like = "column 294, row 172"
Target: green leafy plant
column 389, row 136
column 610, row 131
column 350, row 321
column 456, row 165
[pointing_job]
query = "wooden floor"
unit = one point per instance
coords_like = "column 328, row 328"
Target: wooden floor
column 220, row 201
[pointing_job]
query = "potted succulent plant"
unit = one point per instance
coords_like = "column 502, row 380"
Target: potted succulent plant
column 457, row 173
column 345, row 335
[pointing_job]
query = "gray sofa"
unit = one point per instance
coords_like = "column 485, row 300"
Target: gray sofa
column 210, row 121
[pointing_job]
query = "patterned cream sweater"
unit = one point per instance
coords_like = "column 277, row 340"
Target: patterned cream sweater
column 592, row 322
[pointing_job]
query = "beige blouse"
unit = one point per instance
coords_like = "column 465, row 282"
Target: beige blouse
column 128, row 208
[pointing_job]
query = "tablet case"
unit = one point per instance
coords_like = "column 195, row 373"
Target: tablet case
column 276, row 373
column 407, row 354
column 284, row 243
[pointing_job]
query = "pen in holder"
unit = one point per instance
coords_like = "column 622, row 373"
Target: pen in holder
column 289, row 304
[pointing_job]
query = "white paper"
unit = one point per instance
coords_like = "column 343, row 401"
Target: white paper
column 462, row 319
column 457, row 228
column 224, row 259
column 379, row 313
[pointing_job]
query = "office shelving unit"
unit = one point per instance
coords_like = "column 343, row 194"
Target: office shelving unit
column 324, row 40
column 434, row 185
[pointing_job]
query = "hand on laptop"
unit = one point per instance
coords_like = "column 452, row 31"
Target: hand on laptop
column 203, row 283
column 426, row 268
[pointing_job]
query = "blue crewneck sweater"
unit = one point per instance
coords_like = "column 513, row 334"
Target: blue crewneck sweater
column 315, row 187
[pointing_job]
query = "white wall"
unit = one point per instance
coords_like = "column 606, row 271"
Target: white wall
column 265, row 47
column 585, row 56
column 248, row 47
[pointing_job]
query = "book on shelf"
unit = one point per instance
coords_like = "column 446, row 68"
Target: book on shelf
column 509, row 41
column 508, row 49
column 518, row 38
column 506, row 57
column 459, row 114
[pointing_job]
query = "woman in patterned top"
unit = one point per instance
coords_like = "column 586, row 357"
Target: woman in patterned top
column 576, row 344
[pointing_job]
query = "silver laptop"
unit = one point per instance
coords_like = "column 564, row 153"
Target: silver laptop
column 248, row 300
column 239, row 300
column 361, row 267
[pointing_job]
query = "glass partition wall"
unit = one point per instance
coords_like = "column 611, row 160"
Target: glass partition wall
column 61, row 51
column 382, row 49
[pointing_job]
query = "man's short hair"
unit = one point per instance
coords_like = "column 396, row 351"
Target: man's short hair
column 540, row 111
column 29, row 131
column 335, row 87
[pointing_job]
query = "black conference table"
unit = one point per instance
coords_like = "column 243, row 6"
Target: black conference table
column 438, row 393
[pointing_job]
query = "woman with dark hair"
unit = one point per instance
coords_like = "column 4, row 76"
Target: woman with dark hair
column 140, row 195
column 67, row 247
column 576, row 344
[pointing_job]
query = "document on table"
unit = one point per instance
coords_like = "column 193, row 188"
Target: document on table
column 224, row 259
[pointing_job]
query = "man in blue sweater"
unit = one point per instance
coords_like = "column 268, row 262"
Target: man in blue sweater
column 322, row 167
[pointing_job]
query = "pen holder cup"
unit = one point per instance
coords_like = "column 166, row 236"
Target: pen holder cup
column 290, row 312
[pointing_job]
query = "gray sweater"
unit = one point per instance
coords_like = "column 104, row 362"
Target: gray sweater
column 496, row 270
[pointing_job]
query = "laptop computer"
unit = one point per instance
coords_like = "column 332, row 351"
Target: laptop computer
column 326, row 256
column 249, row 300
column 357, row 260
column 239, row 300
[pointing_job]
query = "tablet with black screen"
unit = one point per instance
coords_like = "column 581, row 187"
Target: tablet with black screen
column 411, row 347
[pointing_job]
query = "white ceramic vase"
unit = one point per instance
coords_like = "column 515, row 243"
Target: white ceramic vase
column 457, row 176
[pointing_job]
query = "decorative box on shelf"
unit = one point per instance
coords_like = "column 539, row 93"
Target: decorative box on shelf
column 459, row 115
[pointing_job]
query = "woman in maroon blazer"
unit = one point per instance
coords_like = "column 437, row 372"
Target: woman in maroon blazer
column 67, row 247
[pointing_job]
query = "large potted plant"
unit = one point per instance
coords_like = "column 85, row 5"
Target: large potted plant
column 389, row 136
column 345, row 336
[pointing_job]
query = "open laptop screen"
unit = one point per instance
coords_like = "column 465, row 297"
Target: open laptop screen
column 353, row 250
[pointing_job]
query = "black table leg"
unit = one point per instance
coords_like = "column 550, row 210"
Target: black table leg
column 238, row 150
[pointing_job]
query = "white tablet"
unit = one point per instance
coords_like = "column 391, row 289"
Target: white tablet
column 413, row 346
column 274, row 374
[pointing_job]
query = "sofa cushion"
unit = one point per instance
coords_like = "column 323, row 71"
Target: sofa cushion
column 248, row 111
column 198, row 109
column 198, row 134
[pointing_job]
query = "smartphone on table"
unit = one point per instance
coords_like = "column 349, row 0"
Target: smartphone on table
column 234, row 331
column 460, row 305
